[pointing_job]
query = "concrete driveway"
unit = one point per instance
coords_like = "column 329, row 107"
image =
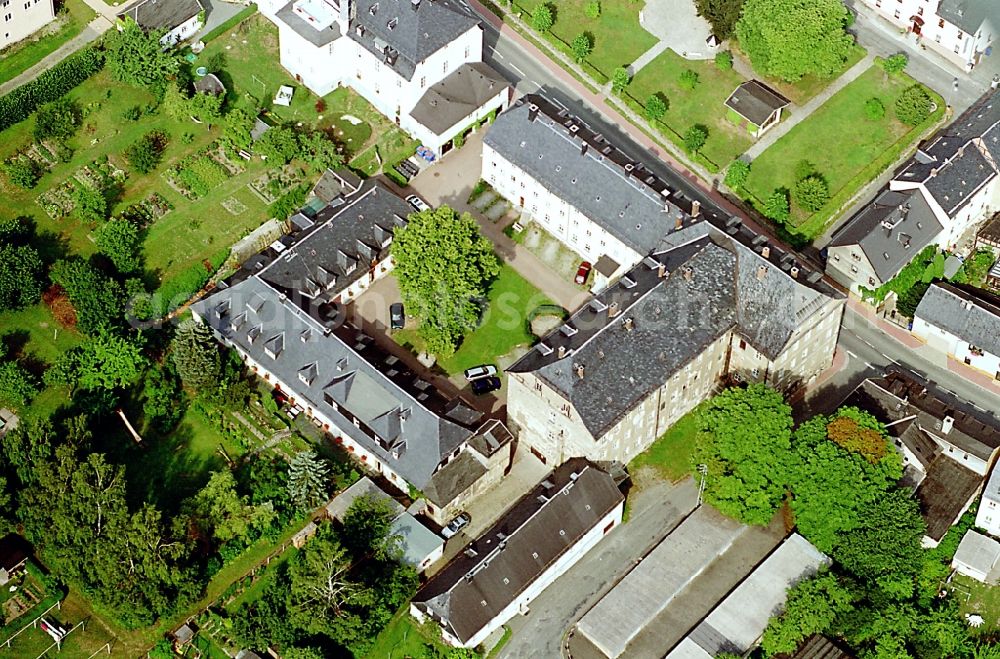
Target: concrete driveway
column 678, row 26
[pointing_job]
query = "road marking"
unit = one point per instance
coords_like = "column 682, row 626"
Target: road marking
column 870, row 365
column 852, row 354
column 519, row 71
column 497, row 53
column 555, row 101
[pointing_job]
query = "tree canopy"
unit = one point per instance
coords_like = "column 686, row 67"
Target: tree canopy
column 137, row 58
column 722, row 14
column 788, row 39
column 444, row 266
column 195, row 354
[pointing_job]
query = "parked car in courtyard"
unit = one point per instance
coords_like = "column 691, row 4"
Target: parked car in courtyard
column 481, row 371
column 582, row 273
column 418, row 203
column 397, row 316
column 485, row 385
column 456, row 525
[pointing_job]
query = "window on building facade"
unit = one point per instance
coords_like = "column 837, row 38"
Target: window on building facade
column 941, row 23
column 895, row 14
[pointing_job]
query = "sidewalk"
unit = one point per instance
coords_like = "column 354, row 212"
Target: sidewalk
column 800, row 113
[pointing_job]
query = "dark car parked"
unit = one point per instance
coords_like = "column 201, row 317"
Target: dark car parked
column 397, row 316
column 485, row 385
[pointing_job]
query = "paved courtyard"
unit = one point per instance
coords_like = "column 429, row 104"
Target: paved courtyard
column 678, row 26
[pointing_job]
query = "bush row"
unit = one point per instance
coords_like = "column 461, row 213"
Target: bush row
column 176, row 291
column 51, row 85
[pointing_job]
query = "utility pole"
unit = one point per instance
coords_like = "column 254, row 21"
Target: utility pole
column 703, row 470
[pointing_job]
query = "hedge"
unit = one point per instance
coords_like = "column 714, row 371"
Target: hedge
column 176, row 291
column 54, row 83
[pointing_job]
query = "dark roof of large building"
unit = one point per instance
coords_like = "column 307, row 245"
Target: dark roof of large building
column 406, row 32
column 459, row 95
column 162, row 14
column 971, row 314
column 588, row 172
column 755, row 101
column 634, row 335
column 349, row 235
column 534, row 533
column 819, row 647
column 969, row 14
column 890, row 230
column 960, row 159
column 945, row 493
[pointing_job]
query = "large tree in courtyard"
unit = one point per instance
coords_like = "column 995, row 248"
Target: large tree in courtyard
column 788, row 39
column 444, row 266
column 722, row 14
column 746, row 437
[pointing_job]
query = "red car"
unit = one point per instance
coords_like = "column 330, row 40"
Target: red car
column 582, row 273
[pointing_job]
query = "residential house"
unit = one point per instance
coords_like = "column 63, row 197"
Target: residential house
column 420, row 546
column 960, row 30
column 949, row 186
column 988, row 515
column 962, row 322
column 283, row 313
column 706, row 305
column 947, row 445
column 536, row 541
column 179, row 19
column 14, row 554
column 22, row 18
column 603, row 205
column 978, row 557
column 419, row 62
column 755, row 107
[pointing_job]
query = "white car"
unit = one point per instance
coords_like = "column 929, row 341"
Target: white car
column 481, row 371
column 456, row 525
column 418, row 203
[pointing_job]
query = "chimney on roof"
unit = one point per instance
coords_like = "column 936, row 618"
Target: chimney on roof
column 765, row 251
column 414, row 4
column 934, row 171
column 532, row 111
column 583, row 147
column 695, row 208
column 579, row 371
column 661, row 271
column 679, row 222
column 688, row 272
column 794, row 272
column 613, row 309
column 947, row 424
column 761, row 272
column 561, row 352
column 629, row 324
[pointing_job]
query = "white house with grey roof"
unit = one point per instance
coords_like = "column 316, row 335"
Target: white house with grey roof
column 283, row 314
column 937, row 197
column 580, row 188
column 960, row 30
column 178, row 19
column 536, row 541
column 419, row 62
column 707, row 305
column 962, row 322
column 988, row 515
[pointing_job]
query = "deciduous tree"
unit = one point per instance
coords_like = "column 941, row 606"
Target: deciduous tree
column 913, row 105
column 104, row 361
column 21, row 274
column 581, row 46
column 119, row 239
column 542, row 18
column 96, row 298
column 812, row 192
column 367, row 528
column 695, row 138
column 223, row 514
column 137, row 58
column 278, row 145
column 811, row 608
column 656, row 107
column 620, row 80
column 722, row 14
column 737, row 174
column 776, row 206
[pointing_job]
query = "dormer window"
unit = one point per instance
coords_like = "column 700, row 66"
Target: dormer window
column 373, row 9
column 274, row 345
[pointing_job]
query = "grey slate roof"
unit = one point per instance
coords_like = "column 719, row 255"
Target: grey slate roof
column 162, row 14
column 305, row 30
column 890, row 230
column 978, row 551
column 710, row 286
column 582, row 168
column 459, row 95
column 405, row 33
column 755, row 101
column 534, row 533
column 970, row 314
column 417, row 541
column 349, row 235
column 969, row 14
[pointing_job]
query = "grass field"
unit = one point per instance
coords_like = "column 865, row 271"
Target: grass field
column 800, row 92
column 982, row 599
column 82, row 643
column 616, row 35
column 705, row 104
column 841, row 143
column 403, row 637
column 670, row 455
column 73, row 16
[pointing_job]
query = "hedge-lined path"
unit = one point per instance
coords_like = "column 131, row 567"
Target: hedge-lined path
column 91, row 33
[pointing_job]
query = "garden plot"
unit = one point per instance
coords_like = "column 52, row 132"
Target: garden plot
column 58, row 201
column 148, row 210
column 274, row 183
column 196, row 176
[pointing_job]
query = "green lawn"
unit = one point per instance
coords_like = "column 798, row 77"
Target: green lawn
column 73, row 16
column 983, row 600
column 842, row 144
column 705, row 104
column 670, row 455
column 616, row 35
column 800, row 92
column 403, row 637
column 83, row 642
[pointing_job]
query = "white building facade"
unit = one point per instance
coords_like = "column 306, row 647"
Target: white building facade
column 961, row 324
column 20, row 19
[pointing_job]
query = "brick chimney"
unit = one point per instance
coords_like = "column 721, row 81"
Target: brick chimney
column 695, row 208
column 629, row 324
column 761, row 272
column 613, row 310
column 661, row 271
column 579, row 371
column 561, row 352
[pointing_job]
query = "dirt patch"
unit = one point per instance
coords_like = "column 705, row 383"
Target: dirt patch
column 544, row 324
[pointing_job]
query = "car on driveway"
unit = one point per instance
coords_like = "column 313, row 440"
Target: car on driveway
column 397, row 316
column 418, row 203
column 480, row 371
column 485, row 385
column 456, row 525
column 582, row 273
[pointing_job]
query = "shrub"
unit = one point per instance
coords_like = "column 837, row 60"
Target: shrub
column 688, row 79
column 812, row 192
column 737, row 174
column 656, row 107
column 776, row 206
column 592, row 9
column 724, row 60
column 542, row 18
column 620, row 79
column 914, row 105
column 133, row 113
column 874, row 109
column 581, row 46
column 58, row 119
column 894, row 64
column 695, row 138
column 320, row 106
column 145, row 154
column 288, row 204
column 22, row 171
column 89, row 204
column 49, row 86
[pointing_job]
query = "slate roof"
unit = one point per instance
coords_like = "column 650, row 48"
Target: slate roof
column 162, row 14
column 711, row 285
column 970, row 314
column 314, row 34
column 349, row 235
column 584, row 169
column 534, row 533
column 992, row 489
column 944, row 494
column 405, row 33
column 977, row 551
column 890, row 230
column 459, row 95
column 968, row 14
column 416, row 540
column 755, row 101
